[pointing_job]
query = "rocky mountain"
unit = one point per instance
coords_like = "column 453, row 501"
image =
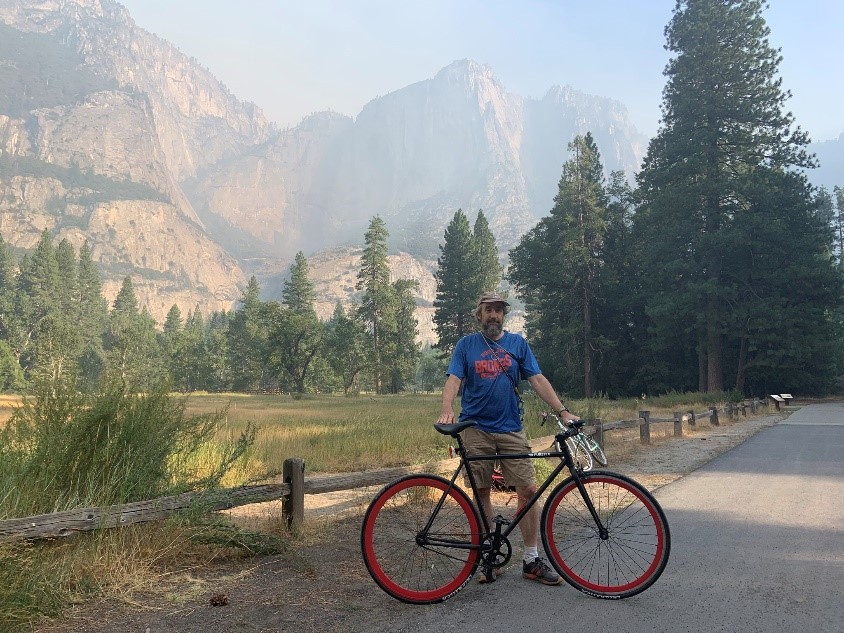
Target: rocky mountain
column 110, row 134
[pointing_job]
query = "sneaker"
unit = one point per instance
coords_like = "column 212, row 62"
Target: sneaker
column 496, row 572
column 539, row 571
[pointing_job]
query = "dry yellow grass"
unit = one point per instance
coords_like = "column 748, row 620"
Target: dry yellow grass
column 8, row 404
column 339, row 434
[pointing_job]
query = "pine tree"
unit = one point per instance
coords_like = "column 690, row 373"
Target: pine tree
column 724, row 131
column 296, row 334
column 171, row 343
column 38, row 304
column 10, row 324
column 485, row 257
column 557, row 265
column 298, row 291
column 247, row 340
column 457, row 285
column 374, row 280
column 402, row 349
column 92, row 319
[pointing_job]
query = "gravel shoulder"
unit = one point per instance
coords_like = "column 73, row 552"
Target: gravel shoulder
column 323, row 585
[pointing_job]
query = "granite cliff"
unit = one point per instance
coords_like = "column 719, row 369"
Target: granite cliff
column 110, row 134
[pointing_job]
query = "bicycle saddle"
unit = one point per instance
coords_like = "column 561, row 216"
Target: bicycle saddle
column 454, row 429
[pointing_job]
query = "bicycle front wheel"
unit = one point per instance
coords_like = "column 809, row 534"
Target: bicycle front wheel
column 579, row 452
column 596, row 450
column 634, row 549
column 408, row 561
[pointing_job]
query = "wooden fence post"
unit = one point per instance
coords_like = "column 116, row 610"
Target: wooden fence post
column 743, row 410
column 753, row 406
column 293, row 506
column 599, row 432
column 645, row 427
column 678, row 424
column 692, row 418
column 713, row 416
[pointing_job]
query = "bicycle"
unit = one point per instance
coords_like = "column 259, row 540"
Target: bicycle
column 584, row 449
column 423, row 539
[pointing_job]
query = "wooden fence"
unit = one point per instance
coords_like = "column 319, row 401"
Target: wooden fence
column 295, row 486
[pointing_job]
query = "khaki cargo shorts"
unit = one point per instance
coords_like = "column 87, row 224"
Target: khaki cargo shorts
column 517, row 472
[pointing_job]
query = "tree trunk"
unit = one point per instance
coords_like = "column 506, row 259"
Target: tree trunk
column 742, row 362
column 701, row 361
column 714, row 346
column 587, row 345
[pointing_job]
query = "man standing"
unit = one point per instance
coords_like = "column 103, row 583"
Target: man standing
column 491, row 363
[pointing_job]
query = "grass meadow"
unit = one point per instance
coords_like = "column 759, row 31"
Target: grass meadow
column 351, row 434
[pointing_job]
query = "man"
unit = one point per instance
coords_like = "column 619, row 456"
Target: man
column 490, row 363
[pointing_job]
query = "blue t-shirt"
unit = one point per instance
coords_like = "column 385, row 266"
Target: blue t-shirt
column 488, row 396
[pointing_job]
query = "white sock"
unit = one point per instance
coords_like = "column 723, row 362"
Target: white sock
column 531, row 554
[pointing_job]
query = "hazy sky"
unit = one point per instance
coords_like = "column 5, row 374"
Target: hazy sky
column 294, row 57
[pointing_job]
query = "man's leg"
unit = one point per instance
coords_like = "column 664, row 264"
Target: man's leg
column 484, row 502
column 529, row 525
column 533, row 567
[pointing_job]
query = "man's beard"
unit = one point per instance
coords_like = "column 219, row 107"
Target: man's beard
column 492, row 329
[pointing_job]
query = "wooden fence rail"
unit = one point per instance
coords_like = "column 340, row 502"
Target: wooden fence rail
column 295, row 486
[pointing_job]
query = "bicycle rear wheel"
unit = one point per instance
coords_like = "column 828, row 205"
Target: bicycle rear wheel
column 579, row 452
column 637, row 544
column 409, row 563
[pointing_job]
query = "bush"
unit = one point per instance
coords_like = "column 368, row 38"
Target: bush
column 62, row 449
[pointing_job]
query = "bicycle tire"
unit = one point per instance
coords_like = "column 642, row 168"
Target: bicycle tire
column 638, row 545
column 597, row 452
column 580, row 453
column 403, row 566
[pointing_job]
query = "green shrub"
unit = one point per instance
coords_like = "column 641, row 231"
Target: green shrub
column 63, row 449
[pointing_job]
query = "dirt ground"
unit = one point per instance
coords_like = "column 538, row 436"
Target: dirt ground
column 323, row 585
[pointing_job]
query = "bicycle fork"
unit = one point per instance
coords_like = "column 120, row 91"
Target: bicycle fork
column 603, row 532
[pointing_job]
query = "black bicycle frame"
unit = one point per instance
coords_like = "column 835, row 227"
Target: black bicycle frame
column 465, row 460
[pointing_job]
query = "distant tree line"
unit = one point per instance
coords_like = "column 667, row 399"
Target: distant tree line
column 53, row 318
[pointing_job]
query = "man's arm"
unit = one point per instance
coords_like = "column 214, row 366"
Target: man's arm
column 450, row 390
column 545, row 391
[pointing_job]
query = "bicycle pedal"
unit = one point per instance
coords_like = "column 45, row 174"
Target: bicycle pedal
column 491, row 576
column 500, row 520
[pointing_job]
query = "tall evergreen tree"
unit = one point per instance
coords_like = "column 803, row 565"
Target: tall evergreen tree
column 723, row 131
column 457, row 285
column 193, row 369
column 171, row 341
column 485, row 256
column 131, row 341
column 374, row 280
column 38, row 303
column 298, row 291
column 402, row 349
column 246, row 343
column 92, row 318
column 557, row 265
column 10, row 325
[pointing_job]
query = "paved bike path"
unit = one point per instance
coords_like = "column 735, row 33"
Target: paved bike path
column 757, row 546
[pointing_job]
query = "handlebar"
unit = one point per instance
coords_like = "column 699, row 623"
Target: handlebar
column 571, row 427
